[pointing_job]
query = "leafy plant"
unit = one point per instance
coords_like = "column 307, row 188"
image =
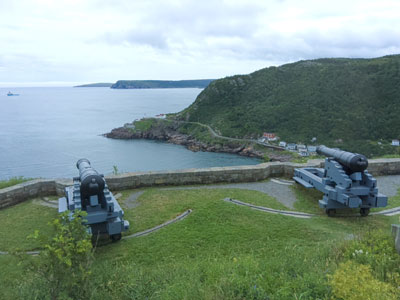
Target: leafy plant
column 115, row 170
column 63, row 268
column 376, row 249
column 352, row 281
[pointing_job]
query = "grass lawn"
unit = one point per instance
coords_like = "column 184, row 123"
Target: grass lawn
column 12, row 181
column 220, row 251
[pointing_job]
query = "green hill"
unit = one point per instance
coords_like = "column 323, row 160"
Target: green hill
column 160, row 84
column 349, row 103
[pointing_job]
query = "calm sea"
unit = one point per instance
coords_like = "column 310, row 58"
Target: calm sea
column 44, row 131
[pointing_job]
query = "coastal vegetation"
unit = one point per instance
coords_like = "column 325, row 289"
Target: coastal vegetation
column 196, row 137
column 220, row 251
column 13, row 181
column 346, row 103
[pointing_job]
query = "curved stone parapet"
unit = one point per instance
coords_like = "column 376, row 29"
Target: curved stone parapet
column 46, row 187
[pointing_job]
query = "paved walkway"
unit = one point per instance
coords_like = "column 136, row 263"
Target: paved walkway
column 277, row 188
column 388, row 185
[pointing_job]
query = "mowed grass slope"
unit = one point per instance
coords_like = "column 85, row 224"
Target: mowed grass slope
column 220, row 251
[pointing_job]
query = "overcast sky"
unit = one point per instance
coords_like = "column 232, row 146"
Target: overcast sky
column 63, row 42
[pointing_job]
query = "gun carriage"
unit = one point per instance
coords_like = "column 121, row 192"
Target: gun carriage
column 344, row 181
column 90, row 193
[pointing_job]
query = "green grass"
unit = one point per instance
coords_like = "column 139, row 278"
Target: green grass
column 220, row 251
column 307, row 199
column 144, row 124
column 19, row 221
column 389, row 156
column 13, row 181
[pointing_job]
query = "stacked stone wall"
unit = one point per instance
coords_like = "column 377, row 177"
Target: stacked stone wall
column 45, row 187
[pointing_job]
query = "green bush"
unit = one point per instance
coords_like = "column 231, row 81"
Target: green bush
column 352, row 281
column 63, row 268
column 376, row 249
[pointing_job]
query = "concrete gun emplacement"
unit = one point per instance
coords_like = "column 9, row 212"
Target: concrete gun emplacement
column 90, row 193
column 344, row 181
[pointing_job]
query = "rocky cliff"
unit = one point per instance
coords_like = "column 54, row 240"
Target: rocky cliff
column 170, row 132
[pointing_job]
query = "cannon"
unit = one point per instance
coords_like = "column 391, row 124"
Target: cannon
column 344, row 181
column 90, row 193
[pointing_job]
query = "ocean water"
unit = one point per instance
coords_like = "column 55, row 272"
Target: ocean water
column 44, row 131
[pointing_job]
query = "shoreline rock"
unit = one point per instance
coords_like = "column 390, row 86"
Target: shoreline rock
column 170, row 134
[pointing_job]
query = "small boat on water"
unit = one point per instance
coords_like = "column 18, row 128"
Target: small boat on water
column 11, row 94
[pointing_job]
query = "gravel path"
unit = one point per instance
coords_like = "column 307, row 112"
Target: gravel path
column 132, row 202
column 388, row 185
column 277, row 188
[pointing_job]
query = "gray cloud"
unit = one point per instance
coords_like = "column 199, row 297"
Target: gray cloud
column 174, row 39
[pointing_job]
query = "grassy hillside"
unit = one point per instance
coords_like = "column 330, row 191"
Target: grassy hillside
column 349, row 103
column 160, row 84
column 220, row 251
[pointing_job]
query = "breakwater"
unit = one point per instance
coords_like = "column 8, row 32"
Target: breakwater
column 46, row 187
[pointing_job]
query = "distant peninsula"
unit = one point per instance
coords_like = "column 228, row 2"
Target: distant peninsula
column 161, row 84
column 101, row 84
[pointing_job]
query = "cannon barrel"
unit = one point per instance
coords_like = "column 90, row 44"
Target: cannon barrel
column 92, row 183
column 353, row 161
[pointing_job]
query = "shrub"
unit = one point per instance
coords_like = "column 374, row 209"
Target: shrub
column 62, row 270
column 352, row 281
column 376, row 249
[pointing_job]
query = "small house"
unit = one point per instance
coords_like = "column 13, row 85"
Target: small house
column 395, row 143
column 312, row 149
column 301, row 147
column 161, row 116
column 291, row 146
column 282, row 144
column 304, row 153
column 270, row 136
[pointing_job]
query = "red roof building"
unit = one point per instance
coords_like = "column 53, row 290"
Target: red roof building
column 269, row 136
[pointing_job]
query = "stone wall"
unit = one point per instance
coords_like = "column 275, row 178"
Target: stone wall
column 45, row 187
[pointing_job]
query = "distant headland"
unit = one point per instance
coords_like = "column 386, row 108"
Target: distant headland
column 153, row 84
column 101, row 84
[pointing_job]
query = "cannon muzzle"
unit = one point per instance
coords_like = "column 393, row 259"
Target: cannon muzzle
column 92, row 183
column 353, row 161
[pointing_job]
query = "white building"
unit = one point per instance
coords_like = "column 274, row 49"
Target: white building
column 282, row 144
column 395, row 143
column 312, row 149
column 304, row 153
column 291, row 146
column 301, row 147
